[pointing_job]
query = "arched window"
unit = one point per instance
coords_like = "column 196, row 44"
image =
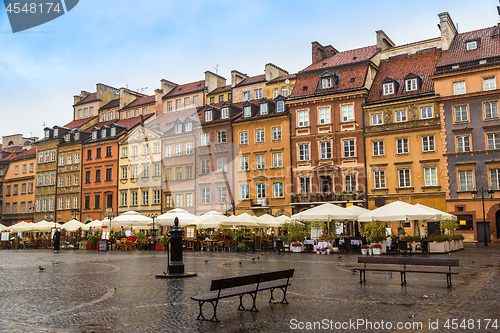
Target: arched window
column 276, row 92
column 284, row 91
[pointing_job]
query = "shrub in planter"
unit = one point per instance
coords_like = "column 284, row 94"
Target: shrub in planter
column 375, row 231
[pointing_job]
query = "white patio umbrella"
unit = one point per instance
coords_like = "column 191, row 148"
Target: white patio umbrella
column 357, row 210
column 131, row 219
column 185, row 218
column 213, row 212
column 324, row 212
column 440, row 215
column 74, row 225
column 94, row 224
column 397, row 211
column 22, row 227
column 244, row 220
column 269, row 221
column 210, row 221
column 284, row 219
column 44, row 226
column 2, row 227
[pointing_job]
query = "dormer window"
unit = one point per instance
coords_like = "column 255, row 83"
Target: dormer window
column 67, row 137
column 56, row 132
column 247, row 111
column 280, row 106
column 326, row 83
column 77, row 136
column 263, row 108
column 388, row 88
column 188, row 127
column 178, row 128
column 284, row 92
column 411, row 84
column 472, row 45
column 328, row 80
column 113, row 131
column 47, row 134
column 225, row 113
column 94, row 135
column 103, row 133
column 208, row 116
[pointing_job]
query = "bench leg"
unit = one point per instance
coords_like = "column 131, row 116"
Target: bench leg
column 214, row 306
column 253, row 308
column 283, row 301
column 448, row 280
column 362, row 276
column 403, row 278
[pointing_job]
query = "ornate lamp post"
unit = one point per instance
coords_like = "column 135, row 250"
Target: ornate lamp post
column 153, row 216
column 225, row 204
column 74, row 212
column 491, row 193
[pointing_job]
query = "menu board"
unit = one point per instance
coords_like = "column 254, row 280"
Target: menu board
column 190, row 232
column 105, row 233
column 5, row 236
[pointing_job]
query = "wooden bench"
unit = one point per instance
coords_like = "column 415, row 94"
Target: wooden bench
column 243, row 285
column 403, row 263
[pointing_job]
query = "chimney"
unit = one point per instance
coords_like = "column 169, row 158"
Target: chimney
column 383, row 41
column 320, row 52
column 272, row 71
column 167, row 86
column 81, row 97
column 448, row 30
column 213, row 81
column 237, row 77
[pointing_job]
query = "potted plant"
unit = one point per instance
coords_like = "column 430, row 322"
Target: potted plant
column 364, row 249
column 92, row 242
column 370, row 250
column 377, row 249
column 141, row 241
column 296, row 247
column 328, row 249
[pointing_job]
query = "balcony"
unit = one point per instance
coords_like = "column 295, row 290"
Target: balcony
column 322, row 197
column 259, row 203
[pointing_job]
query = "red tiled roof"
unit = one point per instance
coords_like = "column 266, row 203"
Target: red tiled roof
column 220, row 90
column 141, row 101
column 165, row 122
column 78, row 123
column 187, row 88
column 487, row 47
column 252, row 80
column 90, row 98
column 114, row 103
column 308, row 84
column 131, row 122
column 19, row 154
column 10, row 149
column 283, row 78
column 344, row 58
column 421, row 64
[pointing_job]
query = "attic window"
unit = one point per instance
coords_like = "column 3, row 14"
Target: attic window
column 472, row 45
column 113, row 131
column 67, row 137
column 208, row 116
column 103, row 133
column 56, row 132
column 225, row 113
column 324, row 64
column 263, row 108
column 47, row 133
column 354, row 58
column 326, row 83
column 411, row 84
column 304, row 88
column 94, row 135
column 247, row 111
column 77, row 136
column 482, row 62
column 353, row 79
column 388, row 89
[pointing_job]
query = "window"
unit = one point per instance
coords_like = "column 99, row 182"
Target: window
column 243, row 138
column 404, row 177
column 378, row 148
column 493, row 141
column 98, row 176
column 260, row 161
column 169, row 107
column 108, row 152
column 221, row 136
column 379, row 179
column 243, row 163
column 261, row 194
column 208, row 115
column 463, row 144
column 124, row 152
column 212, row 100
column 426, row 113
column 490, row 110
column 98, row 153
column 189, row 148
column 168, row 151
column 350, row 182
column 247, row 111
column 7, row 207
column 246, row 95
column 428, row 143
column 188, row 127
column 276, row 133
column 168, row 173
column 87, row 177
column 277, row 160
column 16, row 189
column 205, row 195
column 276, row 92
column 221, row 164
column 23, row 207
column 225, row 113
column 411, row 84
column 186, row 103
column 349, row 148
column 52, row 156
column 134, row 172
column 221, row 194
column 401, row 116
column 495, row 179
column 156, row 197
column 177, row 104
column 52, row 179
column 326, row 83
column 489, row 83
column 402, row 146
column 68, row 180
column 178, row 128
column 205, row 167
column 430, row 176
column 304, row 184
column 157, row 148
column 465, row 180
column 303, row 118
column 388, row 88
column 77, row 158
column 471, row 45
column 45, row 182
column 134, row 198
column 109, row 174
column 284, row 91
column 278, row 190
column 30, row 187
column 156, row 170
column 97, row 201
column 263, row 109
column 280, row 105
column 51, row 204
column 195, row 101
column 124, row 173
column 324, row 116
column 221, row 98
column 136, row 113
column 129, row 115
column 377, row 119
column 347, row 112
column 40, row 158
column 205, row 139
column 259, row 135
column 326, row 150
column 14, row 208
column 459, row 88
column 47, row 157
column 178, row 150
column 61, row 160
column 189, row 172
column 76, row 180
column 68, row 202
column 461, row 114
column 168, row 201
column 86, row 202
column 124, row 200
column 145, row 197
column 304, row 152
column 189, row 199
column 258, row 93
column 244, row 192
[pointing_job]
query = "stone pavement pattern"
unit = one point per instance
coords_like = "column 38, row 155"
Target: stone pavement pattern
column 87, row 291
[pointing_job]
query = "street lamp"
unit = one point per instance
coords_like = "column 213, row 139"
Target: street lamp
column 491, row 193
column 153, row 216
column 74, row 212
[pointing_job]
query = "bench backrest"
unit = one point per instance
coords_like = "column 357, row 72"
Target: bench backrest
column 408, row 261
column 245, row 280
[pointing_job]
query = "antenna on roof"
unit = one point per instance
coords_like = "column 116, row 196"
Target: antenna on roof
column 43, row 124
column 216, row 69
column 142, row 89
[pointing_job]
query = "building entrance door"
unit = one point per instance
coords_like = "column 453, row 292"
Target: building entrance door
column 326, row 183
column 480, row 231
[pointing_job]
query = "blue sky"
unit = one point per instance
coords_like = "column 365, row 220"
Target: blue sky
column 137, row 43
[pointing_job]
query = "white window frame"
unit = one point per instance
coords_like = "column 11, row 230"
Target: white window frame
column 349, row 149
column 430, row 176
column 379, row 179
column 424, row 112
column 303, row 118
column 204, row 139
column 325, row 150
column 244, row 163
column 259, row 135
column 264, row 109
column 489, row 83
column 466, row 178
column 260, row 161
column 463, row 143
column 402, row 146
column 225, row 113
column 458, row 113
column 428, row 143
column 411, row 84
column 278, row 190
column 388, row 88
column 304, row 152
column 471, row 45
column 347, row 112
column 247, row 111
column 280, row 106
column 493, row 141
column 401, row 116
column 324, row 115
column 378, row 148
column 377, row 119
column 404, row 178
column 208, row 115
column 276, row 133
column 459, row 88
column 490, row 112
column 244, row 138
column 277, row 160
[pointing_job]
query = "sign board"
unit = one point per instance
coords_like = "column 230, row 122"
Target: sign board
column 349, row 204
column 5, row 236
column 103, row 245
column 463, row 222
column 105, row 233
column 190, row 232
column 388, row 232
column 339, row 228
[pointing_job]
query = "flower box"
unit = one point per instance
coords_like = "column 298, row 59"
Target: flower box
column 296, row 249
column 158, row 247
column 438, row 247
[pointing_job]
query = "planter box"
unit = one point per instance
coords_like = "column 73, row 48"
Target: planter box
column 90, row 246
column 461, row 244
column 446, row 247
column 364, row 252
column 384, row 247
column 437, row 247
column 158, row 247
column 297, row 249
column 377, row 251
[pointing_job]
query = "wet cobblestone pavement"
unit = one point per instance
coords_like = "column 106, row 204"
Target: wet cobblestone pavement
column 87, row 291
